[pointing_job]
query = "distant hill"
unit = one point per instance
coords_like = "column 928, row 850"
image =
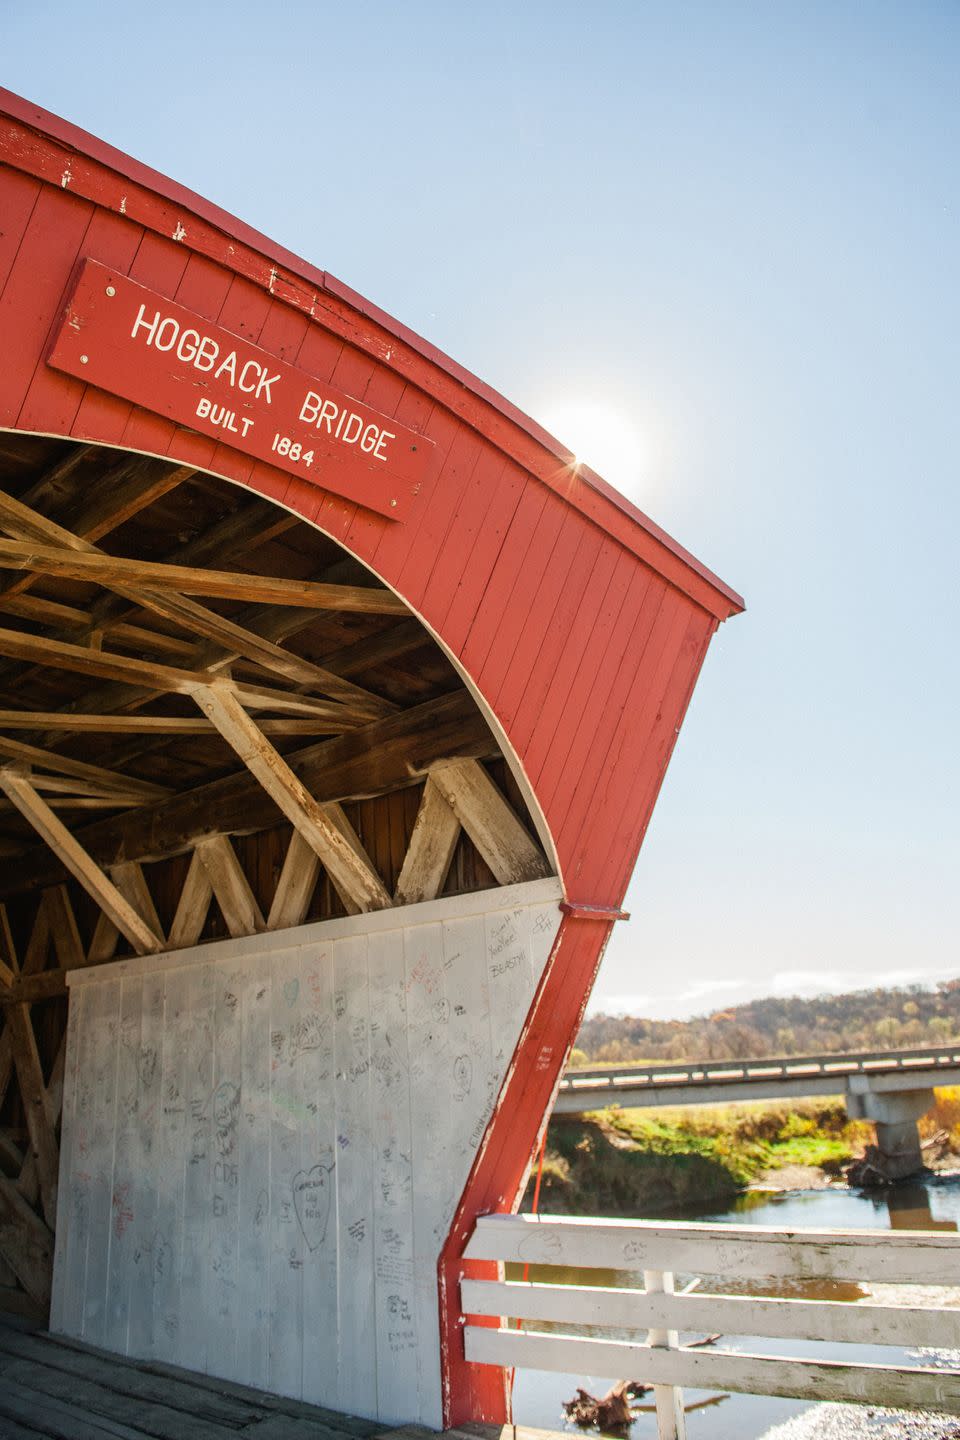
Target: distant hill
column 880, row 1019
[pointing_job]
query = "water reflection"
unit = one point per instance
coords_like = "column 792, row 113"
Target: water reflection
column 921, row 1205
column 908, row 1206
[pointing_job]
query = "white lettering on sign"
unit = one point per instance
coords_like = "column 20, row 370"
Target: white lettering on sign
column 120, row 337
column 164, row 333
column 337, row 421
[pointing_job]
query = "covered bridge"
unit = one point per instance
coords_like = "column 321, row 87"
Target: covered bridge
column 334, row 701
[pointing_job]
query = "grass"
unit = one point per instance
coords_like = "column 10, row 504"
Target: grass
column 643, row 1162
column 653, row 1162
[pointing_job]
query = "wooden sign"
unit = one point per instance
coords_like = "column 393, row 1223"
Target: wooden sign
column 133, row 342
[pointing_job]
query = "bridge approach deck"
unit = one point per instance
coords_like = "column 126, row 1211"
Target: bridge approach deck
column 708, row 1082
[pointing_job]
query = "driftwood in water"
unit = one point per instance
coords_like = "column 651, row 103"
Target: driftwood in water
column 612, row 1412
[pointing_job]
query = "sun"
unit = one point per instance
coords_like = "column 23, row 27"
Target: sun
column 604, row 438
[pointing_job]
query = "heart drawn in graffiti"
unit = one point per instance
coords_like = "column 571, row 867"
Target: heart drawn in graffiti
column 312, row 1192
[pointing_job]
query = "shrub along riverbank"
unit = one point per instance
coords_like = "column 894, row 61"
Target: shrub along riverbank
column 656, row 1162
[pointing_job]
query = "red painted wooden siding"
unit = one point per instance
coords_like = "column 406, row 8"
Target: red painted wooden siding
column 580, row 623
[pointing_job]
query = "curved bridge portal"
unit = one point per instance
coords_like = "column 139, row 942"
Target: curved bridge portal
column 334, row 702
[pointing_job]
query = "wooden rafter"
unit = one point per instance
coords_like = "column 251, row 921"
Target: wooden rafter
column 37, row 534
column 126, row 489
column 68, row 720
column 97, row 775
column 112, row 572
column 341, row 854
column 163, row 678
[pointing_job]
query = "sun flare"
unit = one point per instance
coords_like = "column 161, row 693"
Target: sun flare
column 603, row 438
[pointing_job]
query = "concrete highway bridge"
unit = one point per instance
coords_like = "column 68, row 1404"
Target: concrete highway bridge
column 893, row 1088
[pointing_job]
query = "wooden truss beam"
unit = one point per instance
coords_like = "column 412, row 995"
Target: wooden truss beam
column 298, row 878
column 385, row 755
column 340, row 853
column 112, row 572
column 434, row 839
column 164, row 678
column 142, row 724
column 41, row 1119
column 36, row 534
column 492, row 824
column 26, row 1243
column 95, row 775
column 75, row 859
column 231, row 886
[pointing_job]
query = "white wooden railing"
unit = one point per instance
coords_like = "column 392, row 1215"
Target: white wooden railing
column 661, row 1249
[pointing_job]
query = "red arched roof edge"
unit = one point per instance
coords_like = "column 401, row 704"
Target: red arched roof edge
column 597, row 499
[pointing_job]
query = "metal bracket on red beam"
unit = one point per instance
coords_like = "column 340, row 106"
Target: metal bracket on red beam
column 592, row 912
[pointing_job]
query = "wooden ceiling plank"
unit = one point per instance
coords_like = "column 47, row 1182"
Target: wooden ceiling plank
column 123, row 494
column 193, row 905
column 231, row 887
column 491, row 822
column 380, row 649
column 40, row 1123
column 111, row 572
column 349, row 869
column 51, row 487
column 434, row 839
column 73, row 856
column 80, row 769
column 298, row 879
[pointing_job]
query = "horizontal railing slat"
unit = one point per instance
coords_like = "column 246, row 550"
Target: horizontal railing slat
column 902, row 1257
column 899, row 1387
column 777, row 1319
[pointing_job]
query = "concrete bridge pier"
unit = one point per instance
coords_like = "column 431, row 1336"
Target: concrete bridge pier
column 895, row 1114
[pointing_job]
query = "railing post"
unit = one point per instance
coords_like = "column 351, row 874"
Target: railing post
column 668, row 1398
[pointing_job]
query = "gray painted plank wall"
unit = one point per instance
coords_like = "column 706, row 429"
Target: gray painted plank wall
column 264, row 1141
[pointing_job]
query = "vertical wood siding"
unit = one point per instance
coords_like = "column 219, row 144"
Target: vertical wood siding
column 264, row 1145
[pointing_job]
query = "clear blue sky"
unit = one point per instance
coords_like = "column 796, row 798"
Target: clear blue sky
column 715, row 247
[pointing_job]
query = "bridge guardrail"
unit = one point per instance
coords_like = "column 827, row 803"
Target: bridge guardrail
column 868, row 1062
column 735, row 1253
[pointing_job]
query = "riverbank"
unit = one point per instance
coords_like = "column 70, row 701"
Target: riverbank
column 628, row 1163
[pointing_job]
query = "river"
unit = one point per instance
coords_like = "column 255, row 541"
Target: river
column 933, row 1205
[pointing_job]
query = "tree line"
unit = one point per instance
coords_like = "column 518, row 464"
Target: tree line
column 878, row 1019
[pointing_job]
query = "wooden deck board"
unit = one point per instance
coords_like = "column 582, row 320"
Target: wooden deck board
column 59, row 1388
